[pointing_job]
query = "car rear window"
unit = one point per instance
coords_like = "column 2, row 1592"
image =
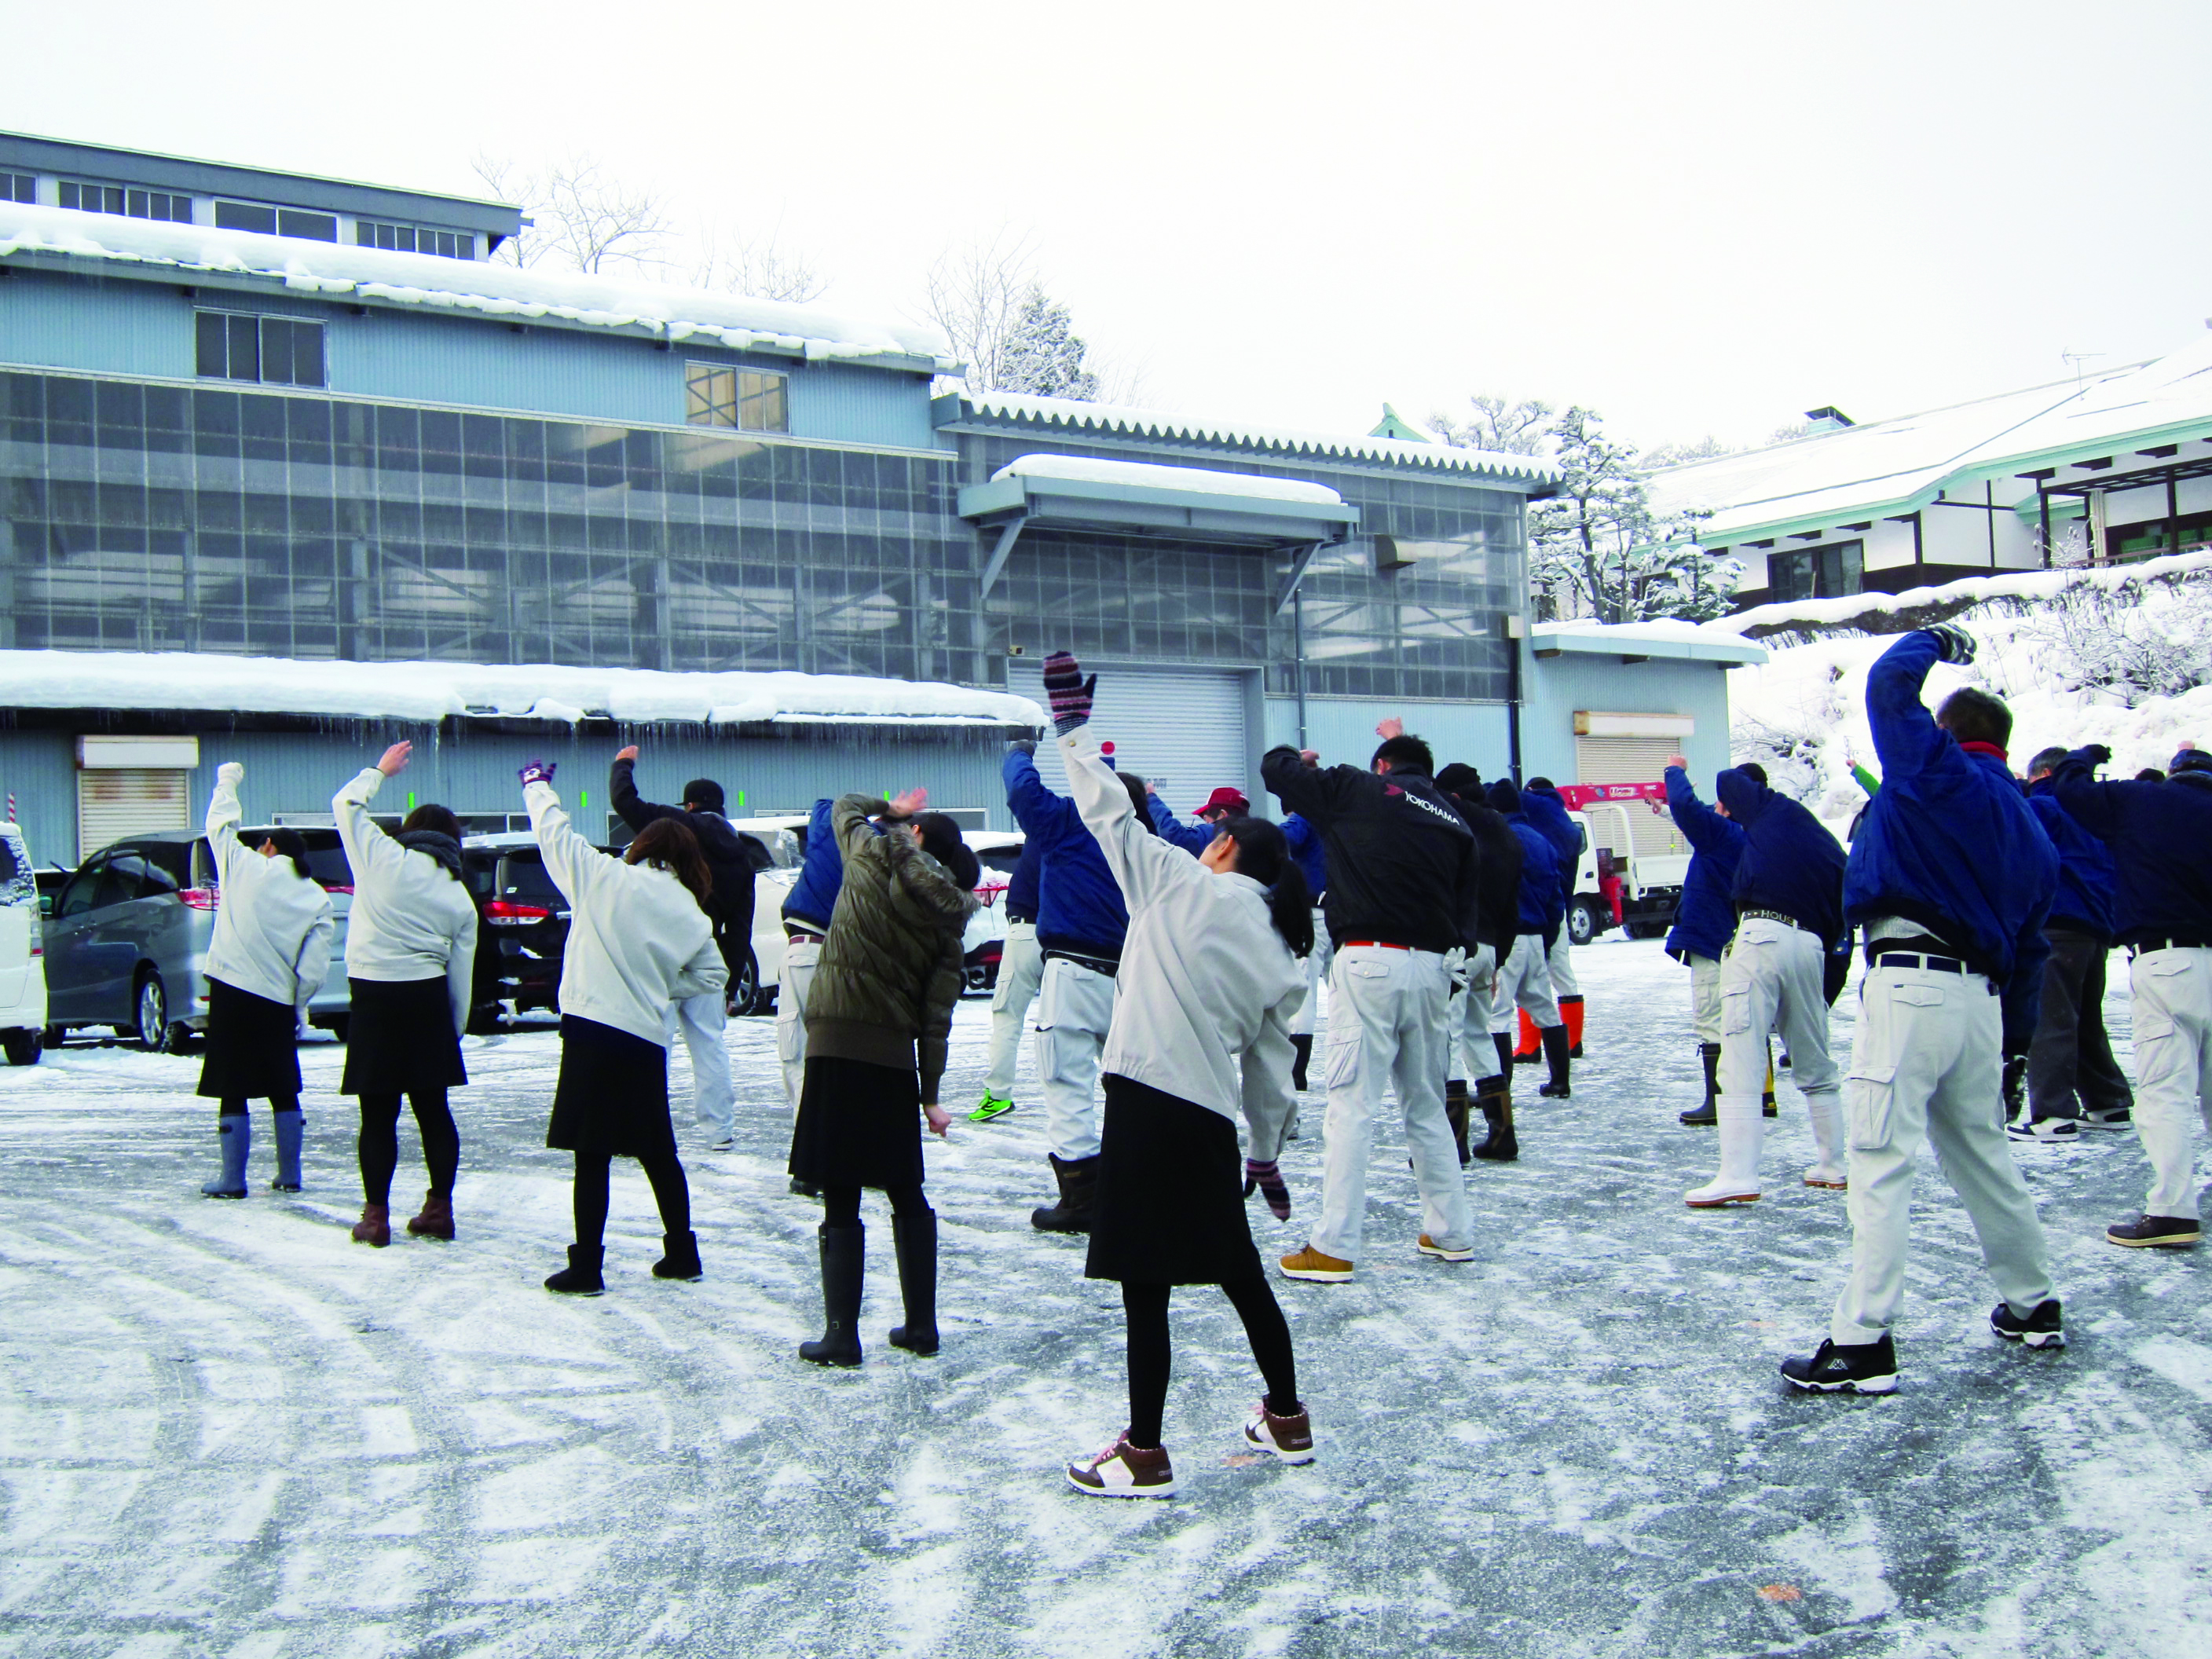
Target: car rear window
column 1001, row 859
column 523, row 878
column 326, row 856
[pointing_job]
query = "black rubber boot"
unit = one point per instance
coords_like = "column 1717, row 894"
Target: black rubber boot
column 915, row 1241
column 1455, row 1115
column 1555, row 1055
column 2014, row 1085
column 1301, row 1051
column 1707, row 1115
column 1504, row 1046
column 1078, row 1186
column 1494, row 1096
column 679, row 1257
column 844, row 1265
column 582, row 1276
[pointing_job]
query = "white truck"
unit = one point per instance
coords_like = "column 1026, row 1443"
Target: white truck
column 1633, row 864
column 22, row 952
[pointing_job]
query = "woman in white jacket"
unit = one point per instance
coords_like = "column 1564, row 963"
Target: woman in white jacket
column 1210, row 979
column 410, row 958
column 640, row 939
column 269, row 955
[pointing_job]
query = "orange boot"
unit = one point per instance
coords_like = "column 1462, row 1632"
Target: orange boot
column 1570, row 1010
column 1530, row 1048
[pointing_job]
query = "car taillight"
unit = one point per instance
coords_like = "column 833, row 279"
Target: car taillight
column 200, row 898
column 500, row 913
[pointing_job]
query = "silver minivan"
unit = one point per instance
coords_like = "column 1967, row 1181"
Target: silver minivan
column 128, row 937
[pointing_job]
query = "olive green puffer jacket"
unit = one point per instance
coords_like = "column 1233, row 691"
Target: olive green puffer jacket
column 891, row 966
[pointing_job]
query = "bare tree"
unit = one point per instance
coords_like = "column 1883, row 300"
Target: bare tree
column 579, row 217
column 974, row 294
column 1500, row 425
column 760, row 268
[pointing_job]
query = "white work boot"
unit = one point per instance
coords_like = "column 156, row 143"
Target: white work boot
column 1831, row 1171
column 1741, row 1129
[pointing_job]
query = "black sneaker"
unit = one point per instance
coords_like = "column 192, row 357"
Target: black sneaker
column 2167, row 1233
column 2044, row 1129
column 2108, row 1117
column 1861, row 1368
column 2040, row 1329
column 1556, row 1090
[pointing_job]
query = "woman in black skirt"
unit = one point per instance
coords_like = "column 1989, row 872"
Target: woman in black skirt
column 410, row 957
column 1210, row 978
column 640, row 939
column 878, row 1018
column 269, row 955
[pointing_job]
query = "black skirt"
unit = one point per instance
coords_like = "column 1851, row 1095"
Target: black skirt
column 1170, row 1204
column 612, row 1098
column 253, row 1047
column 400, row 1038
column 859, row 1125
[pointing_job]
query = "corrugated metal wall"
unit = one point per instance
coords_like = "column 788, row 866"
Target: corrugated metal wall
column 862, row 406
column 105, row 328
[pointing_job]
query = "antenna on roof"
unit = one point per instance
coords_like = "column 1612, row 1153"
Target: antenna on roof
column 2078, row 358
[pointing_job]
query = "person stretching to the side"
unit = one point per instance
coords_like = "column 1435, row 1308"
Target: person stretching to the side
column 639, row 938
column 269, row 955
column 1200, row 1035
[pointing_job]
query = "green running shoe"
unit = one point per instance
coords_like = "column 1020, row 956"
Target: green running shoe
column 991, row 1106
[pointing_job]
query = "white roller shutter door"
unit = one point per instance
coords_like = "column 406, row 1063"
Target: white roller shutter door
column 114, row 802
column 1634, row 760
column 1184, row 732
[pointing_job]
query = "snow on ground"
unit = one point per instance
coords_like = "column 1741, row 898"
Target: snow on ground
column 230, row 1430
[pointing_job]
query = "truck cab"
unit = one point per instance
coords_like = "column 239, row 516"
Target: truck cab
column 1633, row 864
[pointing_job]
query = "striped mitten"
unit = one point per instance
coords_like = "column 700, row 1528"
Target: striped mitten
column 1069, row 692
column 1261, row 1173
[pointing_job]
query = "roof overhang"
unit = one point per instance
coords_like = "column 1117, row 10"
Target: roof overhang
column 1124, row 509
column 1645, row 641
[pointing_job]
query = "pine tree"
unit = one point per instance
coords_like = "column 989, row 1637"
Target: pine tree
column 1043, row 356
column 1597, row 548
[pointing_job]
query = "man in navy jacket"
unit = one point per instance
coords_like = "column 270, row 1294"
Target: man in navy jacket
column 1306, row 847
column 1524, row 978
column 1704, row 917
column 1951, row 878
column 1021, row 971
column 2072, row 1079
column 1547, row 812
column 2158, row 834
column 1788, row 896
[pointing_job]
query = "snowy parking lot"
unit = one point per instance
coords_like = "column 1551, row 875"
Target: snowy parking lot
column 229, row 1430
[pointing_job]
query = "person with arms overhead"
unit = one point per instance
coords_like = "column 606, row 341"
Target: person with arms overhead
column 1524, row 978
column 1547, row 811
column 1497, row 920
column 1704, row 916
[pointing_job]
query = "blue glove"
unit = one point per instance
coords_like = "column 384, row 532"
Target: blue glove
column 537, row 771
column 1956, row 644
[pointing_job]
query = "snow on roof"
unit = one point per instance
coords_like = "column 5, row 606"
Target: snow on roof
column 1147, row 475
column 1694, row 641
column 1900, row 464
column 1155, row 423
column 334, row 269
column 432, row 691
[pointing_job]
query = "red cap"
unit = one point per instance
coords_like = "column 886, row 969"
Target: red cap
column 1224, row 797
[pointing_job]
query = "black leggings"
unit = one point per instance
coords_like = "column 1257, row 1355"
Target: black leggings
column 841, row 1206
column 380, row 1143
column 236, row 1107
column 1265, row 1328
column 669, row 1191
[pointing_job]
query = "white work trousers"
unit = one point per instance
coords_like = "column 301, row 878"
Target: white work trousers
column 1770, row 981
column 1926, row 1063
column 2173, row 1071
column 800, row 957
column 1021, row 970
column 1317, row 960
column 1564, row 982
column 714, row 1098
column 1387, row 1010
column 1477, row 1055
column 1075, row 1007
column 1705, row 997
column 1525, row 981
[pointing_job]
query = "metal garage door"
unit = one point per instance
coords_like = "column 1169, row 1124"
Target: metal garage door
column 1634, row 760
column 1184, row 732
column 129, row 800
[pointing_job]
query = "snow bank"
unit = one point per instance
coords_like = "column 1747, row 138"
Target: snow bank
column 334, row 269
column 429, row 692
column 1888, row 613
column 1145, row 474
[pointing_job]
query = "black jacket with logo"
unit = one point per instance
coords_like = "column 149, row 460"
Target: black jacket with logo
column 733, row 857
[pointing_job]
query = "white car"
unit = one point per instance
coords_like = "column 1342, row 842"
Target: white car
column 22, row 952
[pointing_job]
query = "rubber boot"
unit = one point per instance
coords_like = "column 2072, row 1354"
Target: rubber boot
column 844, row 1265
column 1302, row 1057
column 1741, row 1130
column 1530, row 1048
column 1455, row 1115
column 1709, row 1054
column 1570, row 1010
column 1494, row 1095
column 582, row 1276
column 291, row 1130
column 1504, row 1051
column 436, row 1219
column 374, row 1226
column 1766, row 1106
column 915, row 1241
column 237, row 1132
column 1556, row 1050
column 1078, row 1186
column 679, row 1258
column 2014, row 1085
column 1831, row 1171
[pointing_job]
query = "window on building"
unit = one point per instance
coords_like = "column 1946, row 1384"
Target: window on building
column 126, row 200
column 750, row 399
column 275, row 350
column 416, row 239
column 276, row 221
column 1818, row 573
column 18, row 187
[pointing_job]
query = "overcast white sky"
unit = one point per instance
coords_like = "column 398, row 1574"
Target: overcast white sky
column 1693, row 217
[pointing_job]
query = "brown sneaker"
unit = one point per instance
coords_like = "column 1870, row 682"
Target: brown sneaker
column 1310, row 1263
column 1428, row 1246
column 374, row 1226
column 1125, row 1471
column 436, row 1220
column 1290, row 1438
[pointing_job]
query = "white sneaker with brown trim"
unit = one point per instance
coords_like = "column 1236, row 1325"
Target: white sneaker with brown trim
column 1290, row 1438
column 1125, row 1471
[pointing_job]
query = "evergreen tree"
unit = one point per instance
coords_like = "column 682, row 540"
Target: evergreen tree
column 1041, row 356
